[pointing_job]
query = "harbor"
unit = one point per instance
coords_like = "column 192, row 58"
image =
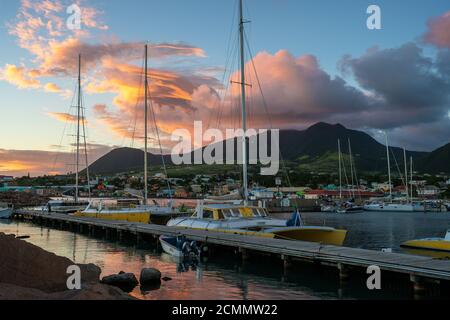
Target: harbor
column 414, row 274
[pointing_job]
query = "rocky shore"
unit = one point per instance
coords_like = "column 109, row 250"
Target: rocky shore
column 28, row 272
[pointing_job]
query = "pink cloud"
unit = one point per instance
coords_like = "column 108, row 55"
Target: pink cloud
column 438, row 32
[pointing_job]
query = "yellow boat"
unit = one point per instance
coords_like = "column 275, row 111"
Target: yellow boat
column 255, row 221
column 435, row 244
column 154, row 214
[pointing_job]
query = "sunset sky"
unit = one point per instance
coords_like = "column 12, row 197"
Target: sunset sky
column 316, row 60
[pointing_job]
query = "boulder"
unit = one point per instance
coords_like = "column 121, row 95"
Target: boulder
column 150, row 276
column 26, row 265
column 125, row 281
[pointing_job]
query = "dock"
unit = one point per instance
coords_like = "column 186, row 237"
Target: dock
column 420, row 271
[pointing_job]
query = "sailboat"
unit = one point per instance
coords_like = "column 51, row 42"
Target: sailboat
column 146, row 212
column 253, row 220
column 71, row 205
column 391, row 206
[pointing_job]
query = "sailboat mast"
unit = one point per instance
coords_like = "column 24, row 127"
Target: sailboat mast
column 351, row 167
column 244, row 108
column 77, row 169
column 406, row 175
column 389, row 166
column 340, row 169
column 146, row 129
column 411, row 176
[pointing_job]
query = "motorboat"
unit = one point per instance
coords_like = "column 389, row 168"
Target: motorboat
column 434, row 244
column 349, row 207
column 65, row 206
column 179, row 247
column 6, row 211
column 255, row 221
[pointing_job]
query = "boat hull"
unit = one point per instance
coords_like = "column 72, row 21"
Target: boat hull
column 6, row 213
column 428, row 244
column 170, row 249
column 392, row 207
column 322, row 235
column 138, row 217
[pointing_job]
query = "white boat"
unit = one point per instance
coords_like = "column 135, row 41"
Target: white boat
column 255, row 221
column 179, row 247
column 394, row 207
column 65, row 206
column 6, row 211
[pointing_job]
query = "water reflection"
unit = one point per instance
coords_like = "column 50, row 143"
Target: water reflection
column 224, row 277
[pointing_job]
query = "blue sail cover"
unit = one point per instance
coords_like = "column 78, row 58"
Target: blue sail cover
column 295, row 220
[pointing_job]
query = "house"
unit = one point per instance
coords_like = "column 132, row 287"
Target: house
column 196, row 188
column 336, row 194
column 181, row 192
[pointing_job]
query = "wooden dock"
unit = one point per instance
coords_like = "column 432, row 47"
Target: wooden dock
column 419, row 270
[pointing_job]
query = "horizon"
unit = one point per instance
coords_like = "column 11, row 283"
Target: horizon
column 396, row 79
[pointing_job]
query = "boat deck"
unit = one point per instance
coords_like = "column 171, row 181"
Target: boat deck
column 416, row 267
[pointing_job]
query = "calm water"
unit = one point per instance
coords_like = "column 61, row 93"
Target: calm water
column 226, row 278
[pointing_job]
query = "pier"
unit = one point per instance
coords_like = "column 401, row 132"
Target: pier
column 420, row 271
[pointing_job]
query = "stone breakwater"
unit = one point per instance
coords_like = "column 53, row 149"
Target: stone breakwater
column 28, row 272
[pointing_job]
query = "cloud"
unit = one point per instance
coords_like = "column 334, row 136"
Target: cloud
column 19, row 76
column 52, row 87
column 438, row 32
column 406, row 86
column 63, row 117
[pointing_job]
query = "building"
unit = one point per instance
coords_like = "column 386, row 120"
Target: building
column 6, row 179
column 336, row 194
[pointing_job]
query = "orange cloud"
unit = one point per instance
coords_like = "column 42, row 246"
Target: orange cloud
column 19, row 76
column 52, row 87
column 63, row 117
column 22, row 162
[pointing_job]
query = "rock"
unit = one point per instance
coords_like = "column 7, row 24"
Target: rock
column 26, row 265
column 124, row 281
column 150, row 276
column 28, row 272
column 90, row 292
column 166, row 278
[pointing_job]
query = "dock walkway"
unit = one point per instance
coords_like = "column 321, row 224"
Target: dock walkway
column 420, row 269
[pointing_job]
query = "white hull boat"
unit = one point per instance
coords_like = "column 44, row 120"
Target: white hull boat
column 394, row 207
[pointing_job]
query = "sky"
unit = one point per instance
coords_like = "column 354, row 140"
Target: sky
column 315, row 61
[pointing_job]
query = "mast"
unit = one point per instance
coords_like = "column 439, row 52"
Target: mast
column 389, row 166
column 351, row 167
column 411, row 177
column 244, row 110
column 340, row 169
column 78, row 130
column 406, row 175
column 146, row 129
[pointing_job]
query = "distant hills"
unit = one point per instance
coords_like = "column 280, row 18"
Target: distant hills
column 436, row 161
column 313, row 149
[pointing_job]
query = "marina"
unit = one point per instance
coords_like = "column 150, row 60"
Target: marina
column 419, row 272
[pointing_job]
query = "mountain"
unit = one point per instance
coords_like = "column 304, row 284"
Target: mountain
column 313, row 149
column 124, row 160
column 436, row 161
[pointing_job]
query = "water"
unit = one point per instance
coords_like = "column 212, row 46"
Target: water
column 224, row 277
